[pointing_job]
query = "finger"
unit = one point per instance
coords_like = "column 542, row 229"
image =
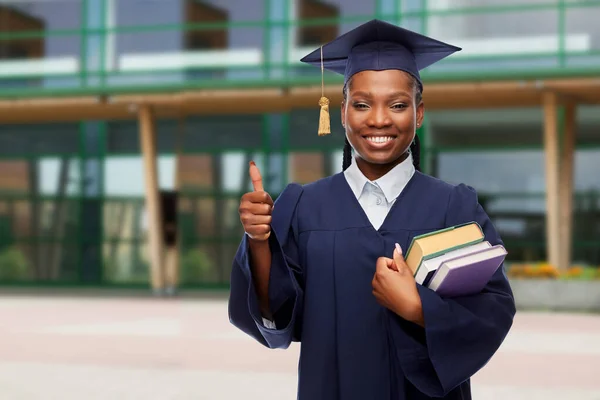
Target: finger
column 399, row 261
column 258, row 209
column 256, row 177
column 257, row 197
column 251, row 219
column 258, row 230
column 382, row 264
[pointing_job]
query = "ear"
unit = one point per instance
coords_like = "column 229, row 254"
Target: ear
column 420, row 114
column 343, row 113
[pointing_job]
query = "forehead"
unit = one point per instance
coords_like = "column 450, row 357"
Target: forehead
column 391, row 78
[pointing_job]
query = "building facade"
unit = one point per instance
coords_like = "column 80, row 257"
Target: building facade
column 74, row 73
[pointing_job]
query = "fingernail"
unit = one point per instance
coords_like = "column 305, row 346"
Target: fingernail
column 252, row 163
column 399, row 249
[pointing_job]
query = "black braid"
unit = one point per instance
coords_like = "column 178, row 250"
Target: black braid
column 347, row 155
column 415, row 149
column 415, row 146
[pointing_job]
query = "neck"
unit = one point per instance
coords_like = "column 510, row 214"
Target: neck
column 375, row 171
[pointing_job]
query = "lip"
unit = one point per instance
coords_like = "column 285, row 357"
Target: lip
column 379, row 146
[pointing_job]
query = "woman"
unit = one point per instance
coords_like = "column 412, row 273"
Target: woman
column 325, row 266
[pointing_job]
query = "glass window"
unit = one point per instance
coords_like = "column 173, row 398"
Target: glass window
column 492, row 171
column 124, row 175
column 124, row 136
column 587, row 165
column 583, row 35
column 171, row 54
column 126, row 262
column 215, row 133
column 20, row 140
column 28, row 59
column 496, row 36
column 59, row 176
column 486, row 128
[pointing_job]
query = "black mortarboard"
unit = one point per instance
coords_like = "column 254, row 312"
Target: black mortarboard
column 378, row 45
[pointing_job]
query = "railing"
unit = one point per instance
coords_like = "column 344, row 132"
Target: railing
column 103, row 53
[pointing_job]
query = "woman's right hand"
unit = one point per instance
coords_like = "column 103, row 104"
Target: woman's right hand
column 255, row 208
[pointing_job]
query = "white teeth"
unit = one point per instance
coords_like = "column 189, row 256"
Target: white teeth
column 379, row 139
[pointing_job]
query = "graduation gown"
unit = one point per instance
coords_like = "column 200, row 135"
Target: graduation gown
column 324, row 251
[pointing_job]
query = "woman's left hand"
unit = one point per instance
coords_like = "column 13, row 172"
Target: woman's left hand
column 394, row 287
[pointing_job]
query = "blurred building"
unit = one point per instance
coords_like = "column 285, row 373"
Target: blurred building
column 85, row 83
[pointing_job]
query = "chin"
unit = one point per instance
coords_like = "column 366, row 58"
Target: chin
column 382, row 158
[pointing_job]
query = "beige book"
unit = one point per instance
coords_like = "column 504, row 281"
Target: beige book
column 433, row 244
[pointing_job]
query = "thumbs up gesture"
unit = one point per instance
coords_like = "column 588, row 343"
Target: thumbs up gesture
column 255, row 208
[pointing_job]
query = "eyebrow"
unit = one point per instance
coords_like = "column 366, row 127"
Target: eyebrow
column 394, row 94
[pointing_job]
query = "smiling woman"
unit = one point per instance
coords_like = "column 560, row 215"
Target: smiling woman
column 380, row 113
column 324, row 265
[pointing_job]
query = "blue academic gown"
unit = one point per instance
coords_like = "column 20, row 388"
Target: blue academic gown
column 324, row 251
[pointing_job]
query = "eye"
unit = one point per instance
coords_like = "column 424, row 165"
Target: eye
column 360, row 105
column 399, row 106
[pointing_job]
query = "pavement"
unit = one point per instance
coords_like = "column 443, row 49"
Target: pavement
column 86, row 347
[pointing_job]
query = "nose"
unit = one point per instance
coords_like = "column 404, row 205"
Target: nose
column 379, row 118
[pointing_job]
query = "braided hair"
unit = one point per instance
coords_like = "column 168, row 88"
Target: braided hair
column 415, row 146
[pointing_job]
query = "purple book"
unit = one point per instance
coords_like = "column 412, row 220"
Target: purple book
column 469, row 274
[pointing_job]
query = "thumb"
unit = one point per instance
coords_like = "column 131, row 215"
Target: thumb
column 256, row 177
column 399, row 258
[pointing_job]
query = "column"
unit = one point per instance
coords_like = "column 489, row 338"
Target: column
column 91, row 212
column 566, row 185
column 153, row 209
column 551, row 148
column 92, row 146
column 277, row 51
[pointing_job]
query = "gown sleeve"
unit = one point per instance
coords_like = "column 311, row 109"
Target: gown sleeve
column 285, row 284
column 461, row 334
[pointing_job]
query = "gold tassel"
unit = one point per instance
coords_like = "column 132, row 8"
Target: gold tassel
column 324, row 119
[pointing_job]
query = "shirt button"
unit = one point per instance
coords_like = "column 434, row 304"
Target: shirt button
column 378, row 201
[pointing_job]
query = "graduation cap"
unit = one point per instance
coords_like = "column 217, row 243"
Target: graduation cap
column 376, row 45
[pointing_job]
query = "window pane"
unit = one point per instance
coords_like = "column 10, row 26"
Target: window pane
column 19, row 140
column 59, row 176
column 124, row 219
column 176, row 55
column 124, row 136
column 26, row 60
column 498, row 36
column 587, row 165
column 126, row 262
column 583, row 31
column 212, row 133
column 494, row 171
column 124, row 175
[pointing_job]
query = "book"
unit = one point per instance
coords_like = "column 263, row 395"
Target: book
column 428, row 267
column 468, row 274
column 436, row 243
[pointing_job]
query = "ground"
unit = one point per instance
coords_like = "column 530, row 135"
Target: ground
column 89, row 347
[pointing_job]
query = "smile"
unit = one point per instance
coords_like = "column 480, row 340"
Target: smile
column 379, row 139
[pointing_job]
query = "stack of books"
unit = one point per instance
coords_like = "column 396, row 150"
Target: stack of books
column 455, row 261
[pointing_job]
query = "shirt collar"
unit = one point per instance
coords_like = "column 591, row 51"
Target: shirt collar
column 391, row 184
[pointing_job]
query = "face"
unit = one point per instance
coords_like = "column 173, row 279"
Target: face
column 380, row 115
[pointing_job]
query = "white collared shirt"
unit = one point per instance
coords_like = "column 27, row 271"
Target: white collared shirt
column 377, row 197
